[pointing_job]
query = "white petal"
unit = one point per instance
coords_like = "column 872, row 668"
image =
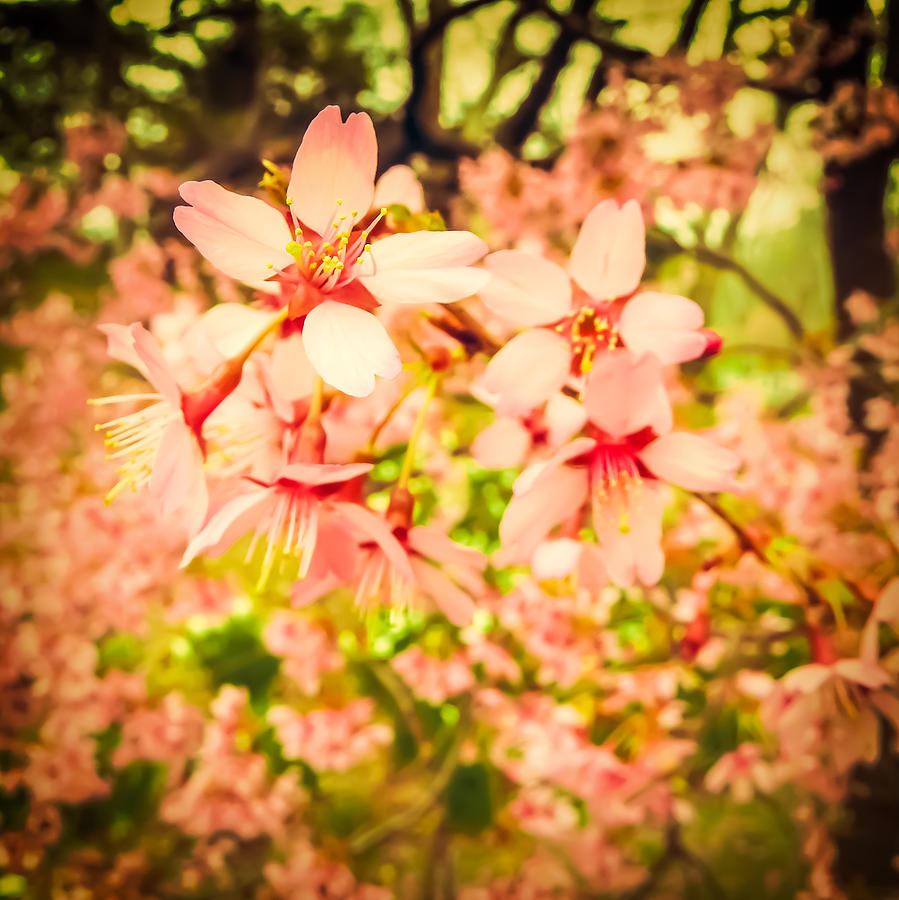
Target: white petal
column 526, row 289
column 348, row 346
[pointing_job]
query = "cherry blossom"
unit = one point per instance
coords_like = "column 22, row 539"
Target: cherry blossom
column 602, row 312
column 330, row 275
column 630, row 453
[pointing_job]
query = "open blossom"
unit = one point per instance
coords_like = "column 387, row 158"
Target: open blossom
column 283, row 513
column 741, row 772
column 603, row 311
column 329, row 274
column 629, row 453
column 163, row 443
column 400, row 565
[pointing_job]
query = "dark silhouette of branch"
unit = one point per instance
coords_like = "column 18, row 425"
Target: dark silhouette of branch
column 421, row 110
column 689, row 25
column 514, row 131
column 612, row 51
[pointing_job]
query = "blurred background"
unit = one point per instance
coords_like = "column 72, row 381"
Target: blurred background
column 760, row 139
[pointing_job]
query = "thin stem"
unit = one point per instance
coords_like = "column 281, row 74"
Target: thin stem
column 315, row 401
column 407, row 390
column 417, row 429
column 244, row 355
column 748, row 544
column 407, row 817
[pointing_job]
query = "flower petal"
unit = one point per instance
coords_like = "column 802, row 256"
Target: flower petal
column 292, row 375
column 433, row 543
column 665, row 325
column 427, row 250
column 336, row 162
column 348, row 346
column 531, row 515
column 426, row 267
column 120, row 346
column 528, row 370
column 243, row 237
column 451, row 600
column 399, row 184
column 564, row 417
column 502, row 444
column 313, row 473
column 177, row 479
column 626, row 394
column 229, row 523
column 154, row 364
column 690, row 461
column 556, row 558
column 610, row 252
column 525, row 289
column 223, row 332
column 635, row 553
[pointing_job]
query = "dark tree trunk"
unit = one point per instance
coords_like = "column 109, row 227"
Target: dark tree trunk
column 854, row 193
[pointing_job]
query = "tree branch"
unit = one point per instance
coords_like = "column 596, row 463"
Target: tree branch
column 689, row 25
column 720, row 261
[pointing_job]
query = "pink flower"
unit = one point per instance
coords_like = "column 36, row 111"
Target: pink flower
column 431, row 678
column 156, row 445
column 330, row 275
column 170, row 733
column 334, row 739
column 284, row 513
column 306, row 649
column 399, row 564
column 620, row 467
column 741, row 772
column 163, row 444
column 603, row 314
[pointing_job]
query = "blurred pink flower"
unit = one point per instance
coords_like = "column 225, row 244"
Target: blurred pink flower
column 741, row 773
column 335, row 739
column 431, row 678
column 306, row 650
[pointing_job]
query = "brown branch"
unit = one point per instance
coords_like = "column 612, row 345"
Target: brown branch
column 515, row 130
column 728, row 264
column 612, row 49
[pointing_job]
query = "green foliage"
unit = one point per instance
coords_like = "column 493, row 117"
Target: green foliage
column 751, row 848
column 234, row 654
column 468, row 799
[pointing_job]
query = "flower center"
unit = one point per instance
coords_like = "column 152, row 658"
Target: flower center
column 133, row 439
column 289, row 529
column 334, row 258
column 588, row 330
column 616, row 483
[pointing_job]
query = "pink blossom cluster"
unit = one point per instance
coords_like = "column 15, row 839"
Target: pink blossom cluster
column 609, row 154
